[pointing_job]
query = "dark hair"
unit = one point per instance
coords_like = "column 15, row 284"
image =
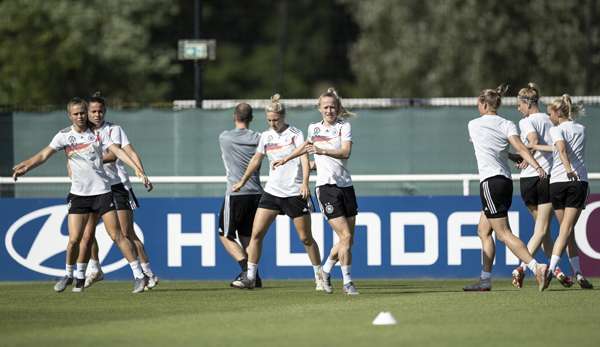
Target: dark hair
column 243, row 113
column 493, row 97
column 76, row 101
column 97, row 97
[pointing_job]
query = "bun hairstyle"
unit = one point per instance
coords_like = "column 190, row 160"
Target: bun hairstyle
column 275, row 105
column 97, row 97
column 565, row 107
column 341, row 111
column 493, row 97
column 529, row 94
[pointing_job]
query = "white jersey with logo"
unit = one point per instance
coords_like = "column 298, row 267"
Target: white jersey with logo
column 84, row 155
column 285, row 180
column 540, row 124
column 489, row 134
column 331, row 170
column 573, row 134
column 115, row 170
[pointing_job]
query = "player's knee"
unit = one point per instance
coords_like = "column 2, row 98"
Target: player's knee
column 307, row 241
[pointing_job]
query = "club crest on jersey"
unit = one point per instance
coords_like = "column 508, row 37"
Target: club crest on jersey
column 329, row 208
column 317, row 130
column 270, row 138
column 72, row 139
column 91, row 138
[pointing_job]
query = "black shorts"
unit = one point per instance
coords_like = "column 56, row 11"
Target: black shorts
column 293, row 206
column 124, row 198
column 496, row 196
column 78, row 204
column 237, row 215
column 535, row 191
column 569, row 194
column 337, row 201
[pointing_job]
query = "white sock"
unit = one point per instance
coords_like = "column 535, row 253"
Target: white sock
column 136, row 269
column 346, row 273
column 554, row 262
column 69, row 270
column 329, row 264
column 147, row 270
column 80, row 273
column 486, row 275
column 316, row 269
column 575, row 264
column 523, row 266
column 252, row 268
column 94, row 265
column 532, row 265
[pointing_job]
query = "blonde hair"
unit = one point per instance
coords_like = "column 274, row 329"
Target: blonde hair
column 341, row 111
column 529, row 94
column 565, row 107
column 493, row 97
column 275, row 105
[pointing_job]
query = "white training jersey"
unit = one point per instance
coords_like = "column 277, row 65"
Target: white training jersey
column 116, row 170
column 540, row 124
column 331, row 170
column 285, row 180
column 84, row 156
column 489, row 134
column 573, row 134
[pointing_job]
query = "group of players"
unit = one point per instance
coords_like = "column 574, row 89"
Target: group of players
column 550, row 153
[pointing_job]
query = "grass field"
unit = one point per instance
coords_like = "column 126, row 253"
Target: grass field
column 291, row 313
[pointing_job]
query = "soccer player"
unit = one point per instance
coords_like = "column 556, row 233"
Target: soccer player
column 123, row 195
column 330, row 140
column 286, row 191
column 237, row 212
column 568, row 181
column 89, row 193
column 535, row 191
column 491, row 135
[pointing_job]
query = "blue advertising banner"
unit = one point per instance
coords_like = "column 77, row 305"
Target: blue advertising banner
column 395, row 237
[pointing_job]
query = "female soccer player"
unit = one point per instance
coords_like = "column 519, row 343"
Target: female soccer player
column 124, row 198
column 286, row 191
column 535, row 192
column 568, row 181
column 89, row 193
column 330, row 140
column 491, row 135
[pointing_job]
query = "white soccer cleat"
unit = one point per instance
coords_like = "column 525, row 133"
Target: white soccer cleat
column 93, row 277
column 152, row 281
column 319, row 285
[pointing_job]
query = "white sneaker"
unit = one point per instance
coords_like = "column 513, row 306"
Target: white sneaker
column 319, row 285
column 93, row 277
column 152, row 281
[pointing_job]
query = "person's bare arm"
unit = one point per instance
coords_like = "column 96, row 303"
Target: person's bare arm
column 27, row 165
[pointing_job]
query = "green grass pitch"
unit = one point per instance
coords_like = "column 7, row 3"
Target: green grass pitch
column 292, row 313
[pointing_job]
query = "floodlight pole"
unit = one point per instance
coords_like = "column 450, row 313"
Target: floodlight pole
column 197, row 64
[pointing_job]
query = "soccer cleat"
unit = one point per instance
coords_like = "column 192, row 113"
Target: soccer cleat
column 62, row 284
column 139, row 284
column 319, row 285
column 563, row 279
column 541, row 276
column 257, row 281
column 152, row 281
column 518, row 275
column 350, row 289
column 326, row 282
column 237, row 282
column 483, row 285
column 583, row 282
column 93, row 277
column 79, row 285
column 246, row 283
column 548, row 279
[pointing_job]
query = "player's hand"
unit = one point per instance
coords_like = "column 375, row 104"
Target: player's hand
column 541, row 173
column 304, row 191
column 19, row 170
column 311, row 165
column 572, row 176
column 277, row 163
column 236, row 187
column 522, row 165
column 144, row 179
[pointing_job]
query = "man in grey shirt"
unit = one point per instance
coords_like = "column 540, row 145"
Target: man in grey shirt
column 238, row 145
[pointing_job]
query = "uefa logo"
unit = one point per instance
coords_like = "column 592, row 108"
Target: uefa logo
column 49, row 241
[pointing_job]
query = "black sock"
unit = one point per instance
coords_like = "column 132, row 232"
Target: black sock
column 243, row 264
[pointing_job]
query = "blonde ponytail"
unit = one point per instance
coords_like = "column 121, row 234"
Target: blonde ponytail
column 565, row 107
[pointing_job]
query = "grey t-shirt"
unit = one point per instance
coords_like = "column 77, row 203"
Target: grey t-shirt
column 237, row 148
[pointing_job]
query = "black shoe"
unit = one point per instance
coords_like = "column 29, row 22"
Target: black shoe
column 257, row 281
column 79, row 285
column 237, row 282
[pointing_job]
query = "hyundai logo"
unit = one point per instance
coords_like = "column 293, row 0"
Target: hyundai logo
column 49, row 241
